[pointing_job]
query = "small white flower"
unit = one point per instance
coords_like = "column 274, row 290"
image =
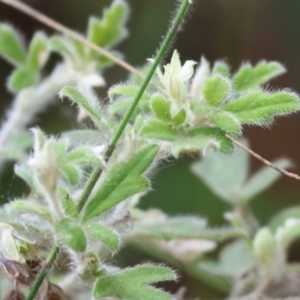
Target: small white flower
column 175, row 77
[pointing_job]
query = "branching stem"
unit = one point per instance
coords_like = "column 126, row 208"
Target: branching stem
column 97, row 172
column 164, row 47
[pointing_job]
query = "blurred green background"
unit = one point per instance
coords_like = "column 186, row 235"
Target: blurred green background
column 234, row 30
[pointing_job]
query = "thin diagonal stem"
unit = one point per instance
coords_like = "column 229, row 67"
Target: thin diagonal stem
column 263, row 160
column 97, row 172
column 43, row 273
column 164, row 47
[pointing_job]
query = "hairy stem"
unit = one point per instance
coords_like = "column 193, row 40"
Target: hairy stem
column 97, row 172
column 43, row 273
column 31, row 101
column 164, row 47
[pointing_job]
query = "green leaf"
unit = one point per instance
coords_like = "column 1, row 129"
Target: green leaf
column 67, row 204
column 161, row 107
column 217, row 136
column 216, row 89
column 8, row 246
column 38, row 52
column 16, row 146
column 71, row 234
column 104, row 234
column 134, row 283
column 174, row 227
column 25, row 172
column 22, row 78
column 260, row 108
column 65, row 47
column 179, row 118
column 262, row 180
column 226, row 121
column 289, row 232
column 201, row 139
column 31, row 207
column 234, row 259
column 126, row 90
column 191, row 145
column 111, row 28
column 81, row 156
column 59, row 149
column 224, row 175
column 82, row 137
column 222, row 234
column 280, row 219
column 39, row 138
column 249, row 77
column 264, row 249
column 221, row 67
column 156, row 129
column 87, row 101
column 70, row 172
column 11, row 46
column 122, row 181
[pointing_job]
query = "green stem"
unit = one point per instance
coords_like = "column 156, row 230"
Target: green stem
column 164, row 47
column 97, row 172
column 43, row 273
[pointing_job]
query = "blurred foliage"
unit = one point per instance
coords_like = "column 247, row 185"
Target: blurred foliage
column 231, row 29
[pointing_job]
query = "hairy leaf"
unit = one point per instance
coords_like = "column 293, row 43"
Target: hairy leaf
column 81, row 156
column 221, row 142
column 39, row 139
column 11, row 46
column 226, row 121
column 71, row 234
column 221, row 67
column 65, row 47
column 122, row 181
column 70, row 172
column 104, row 234
column 134, row 283
column 249, row 77
column 59, row 149
column 179, row 118
column 156, row 129
column 67, row 204
column 126, row 90
column 216, row 89
column 82, row 137
column 87, row 101
column 161, row 107
column 260, row 108
column 31, row 207
column 22, row 78
column 38, row 52
column 25, row 172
